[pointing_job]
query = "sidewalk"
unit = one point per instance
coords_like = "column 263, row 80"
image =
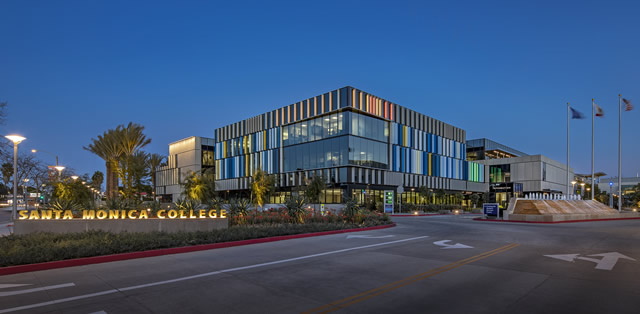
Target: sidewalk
column 5, row 228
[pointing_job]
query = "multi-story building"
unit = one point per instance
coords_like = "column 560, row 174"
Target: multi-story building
column 512, row 173
column 483, row 148
column 186, row 156
column 362, row 144
column 629, row 185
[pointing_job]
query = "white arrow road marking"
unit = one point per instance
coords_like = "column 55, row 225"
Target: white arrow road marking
column 8, row 293
column 452, row 246
column 565, row 257
column 607, row 262
column 13, row 285
column 368, row 236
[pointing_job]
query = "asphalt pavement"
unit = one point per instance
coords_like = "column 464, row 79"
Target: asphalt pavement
column 437, row 264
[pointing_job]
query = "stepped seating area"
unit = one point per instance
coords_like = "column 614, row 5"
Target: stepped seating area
column 561, row 207
column 561, row 210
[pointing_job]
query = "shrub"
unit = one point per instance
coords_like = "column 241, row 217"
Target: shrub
column 238, row 209
column 45, row 247
column 351, row 210
column 295, row 208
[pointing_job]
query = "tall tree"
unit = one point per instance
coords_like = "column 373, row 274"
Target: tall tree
column 7, row 172
column 313, row 190
column 96, row 180
column 425, row 194
column 107, row 147
column 132, row 139
column 262, row 185
column 154, row 162
column 3, row 112
column 116, row 147
column 40, row 176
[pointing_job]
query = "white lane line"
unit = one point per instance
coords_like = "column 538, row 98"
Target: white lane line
column 262, row 264
column 8, row 293
column 13, row 285
column 99, row 312
column 91, row 295
column 369, row 236
column 80, row 297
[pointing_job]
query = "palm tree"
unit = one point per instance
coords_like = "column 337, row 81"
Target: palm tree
column 136, row 173
column 107, row 147
column 262, row 185
column 200, row 186
column 115, row 145
column 131, row 140
column 154, row 162
column 96, row 180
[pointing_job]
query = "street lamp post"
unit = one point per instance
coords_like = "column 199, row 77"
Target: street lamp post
column 610, row 194
column 57, row 167
column 44, row 151
column 24, row 193
column 16, row 139
column 582, row 189
column 573, row 187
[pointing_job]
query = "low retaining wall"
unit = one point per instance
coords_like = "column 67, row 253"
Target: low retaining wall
column 570, row 217
column 561, row 210
column 117, row 226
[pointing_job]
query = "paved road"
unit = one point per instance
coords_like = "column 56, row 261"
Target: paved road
column 485, row 267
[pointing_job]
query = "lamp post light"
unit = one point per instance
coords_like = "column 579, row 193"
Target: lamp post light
column 582, row 189
column 44, row 151
column 74, row 178
column 610, row 194
column 59, row 168
column 573, row 186
column 16, row 139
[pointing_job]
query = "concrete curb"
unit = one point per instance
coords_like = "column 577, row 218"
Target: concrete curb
column 553, row 222
column 158, row 252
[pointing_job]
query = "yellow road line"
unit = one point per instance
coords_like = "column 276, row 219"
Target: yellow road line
column 336, row 305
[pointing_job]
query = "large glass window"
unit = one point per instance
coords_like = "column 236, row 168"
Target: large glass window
column 335, row 124
column 368, row 153
column 500, row 173
column 319, row 154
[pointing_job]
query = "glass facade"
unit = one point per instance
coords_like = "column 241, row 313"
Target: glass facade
column 500, row 173
column 241, row 156
column 208, row 156
column 314, row 129
column 418, row 152
column 349, row 136
column 318, row 154
column 335, row 124
column 338, row 139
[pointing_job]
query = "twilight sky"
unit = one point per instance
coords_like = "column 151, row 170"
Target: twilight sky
column 499, row 69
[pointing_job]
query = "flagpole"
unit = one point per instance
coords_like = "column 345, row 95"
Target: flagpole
column 567, row 149
column 592, row 148
column 619, row 152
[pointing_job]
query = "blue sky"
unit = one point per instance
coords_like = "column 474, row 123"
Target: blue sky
column 498, row 69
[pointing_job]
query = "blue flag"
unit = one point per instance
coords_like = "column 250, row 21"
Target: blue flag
column 575, row 114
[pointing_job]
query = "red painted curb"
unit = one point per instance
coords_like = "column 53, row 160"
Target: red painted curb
column 554, row 222
column 177, row 250
column 410, row 215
